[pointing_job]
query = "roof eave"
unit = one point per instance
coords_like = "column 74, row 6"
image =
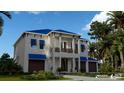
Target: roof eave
column 63, row 33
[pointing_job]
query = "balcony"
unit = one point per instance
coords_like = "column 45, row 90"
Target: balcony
column 67, row 50
column 76, row 51
column 57, row 49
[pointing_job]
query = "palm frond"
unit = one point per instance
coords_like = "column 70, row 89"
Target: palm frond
column 6, row 13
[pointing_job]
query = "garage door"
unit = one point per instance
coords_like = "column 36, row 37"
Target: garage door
column 83, row 66
column 36, row 65
column 92, row 67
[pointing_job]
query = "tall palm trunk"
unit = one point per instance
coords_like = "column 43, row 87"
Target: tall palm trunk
column 112, row 60
column 115, row 61
column 122, row 59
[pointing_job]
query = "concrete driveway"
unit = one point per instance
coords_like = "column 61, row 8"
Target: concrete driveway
column 85, row 78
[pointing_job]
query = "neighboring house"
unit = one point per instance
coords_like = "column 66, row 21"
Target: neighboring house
column 49, row 50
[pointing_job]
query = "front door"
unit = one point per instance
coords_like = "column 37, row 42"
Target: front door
column 83, row 66
column 64, row 64
column 36, row 65
column 92, row 67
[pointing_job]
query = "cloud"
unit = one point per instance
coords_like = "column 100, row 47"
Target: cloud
column 30, row 12
column 36, row 12
column 98, row 17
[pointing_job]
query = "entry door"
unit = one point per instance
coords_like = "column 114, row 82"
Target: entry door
column 36, row 65
column 64, row 64
column 92, row 67
column 83, row 66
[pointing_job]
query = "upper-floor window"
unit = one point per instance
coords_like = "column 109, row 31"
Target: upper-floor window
column 64, row 45
column 42, row 44
column 69, row 45
column 33, row 43
column 82, row 48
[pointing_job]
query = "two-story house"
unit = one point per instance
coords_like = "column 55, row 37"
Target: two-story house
column 49, row 50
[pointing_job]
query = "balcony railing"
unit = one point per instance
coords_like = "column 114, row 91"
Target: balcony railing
column 67, row 50
column 76, row 50
column 57, row 49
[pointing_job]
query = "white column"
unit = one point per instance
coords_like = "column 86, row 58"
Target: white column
column 97, row 66
column 53, row 56
column 87, row 66
column 73, row 65
column 60, row 61
column 60, row 40
column 26, row 59
column 79, row 46
column 53, row 65
column 79, row 64
column 73, row 45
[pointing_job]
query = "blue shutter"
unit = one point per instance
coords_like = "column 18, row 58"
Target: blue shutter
column 42, row 44
column 82, row 47
column 33, row 42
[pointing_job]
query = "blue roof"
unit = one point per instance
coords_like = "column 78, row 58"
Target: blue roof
column 41, row 31
column 37, row 56
column 89, row 59
column 94, row 59
column 59, row 30
column 46, row 31
column 83, row 58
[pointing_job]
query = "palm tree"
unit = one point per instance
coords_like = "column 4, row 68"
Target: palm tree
column 116, row 19
column 6, row 13
column 99, row 30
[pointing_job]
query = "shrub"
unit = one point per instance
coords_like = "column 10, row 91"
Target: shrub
column 40, row 75
column 122, row 69
column 106, row 68
column 59, row 69
column 8, row 65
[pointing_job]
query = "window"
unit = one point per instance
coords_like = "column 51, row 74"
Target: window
column 82, row 48
column 33, row 43
column 69, row 45
column 42, row 44
column 63, row 45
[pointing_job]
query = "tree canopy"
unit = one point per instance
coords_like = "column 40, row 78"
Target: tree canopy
column 109, row 36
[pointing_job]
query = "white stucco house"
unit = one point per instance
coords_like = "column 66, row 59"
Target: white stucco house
column 48, row 50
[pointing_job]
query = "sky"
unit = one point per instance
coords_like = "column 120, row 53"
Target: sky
column 74, row 21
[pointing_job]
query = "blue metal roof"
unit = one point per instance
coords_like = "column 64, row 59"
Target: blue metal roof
column 41, row 31
column 46, row 31
column 94, row 59
column 37, row 56
column 59, row 30
column 89, row 59
column 83, row 58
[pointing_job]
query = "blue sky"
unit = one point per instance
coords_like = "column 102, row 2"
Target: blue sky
column 23, row 21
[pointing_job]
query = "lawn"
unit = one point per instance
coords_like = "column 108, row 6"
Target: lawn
column 11, row 78
column 19, row 78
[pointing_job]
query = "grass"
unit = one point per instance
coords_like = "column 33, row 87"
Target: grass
column 120, row 78
column 19, row 78
column 11, row 78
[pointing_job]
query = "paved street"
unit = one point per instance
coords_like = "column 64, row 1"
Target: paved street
column 84, row 78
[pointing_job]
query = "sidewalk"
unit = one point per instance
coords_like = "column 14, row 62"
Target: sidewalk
column 85, row 78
